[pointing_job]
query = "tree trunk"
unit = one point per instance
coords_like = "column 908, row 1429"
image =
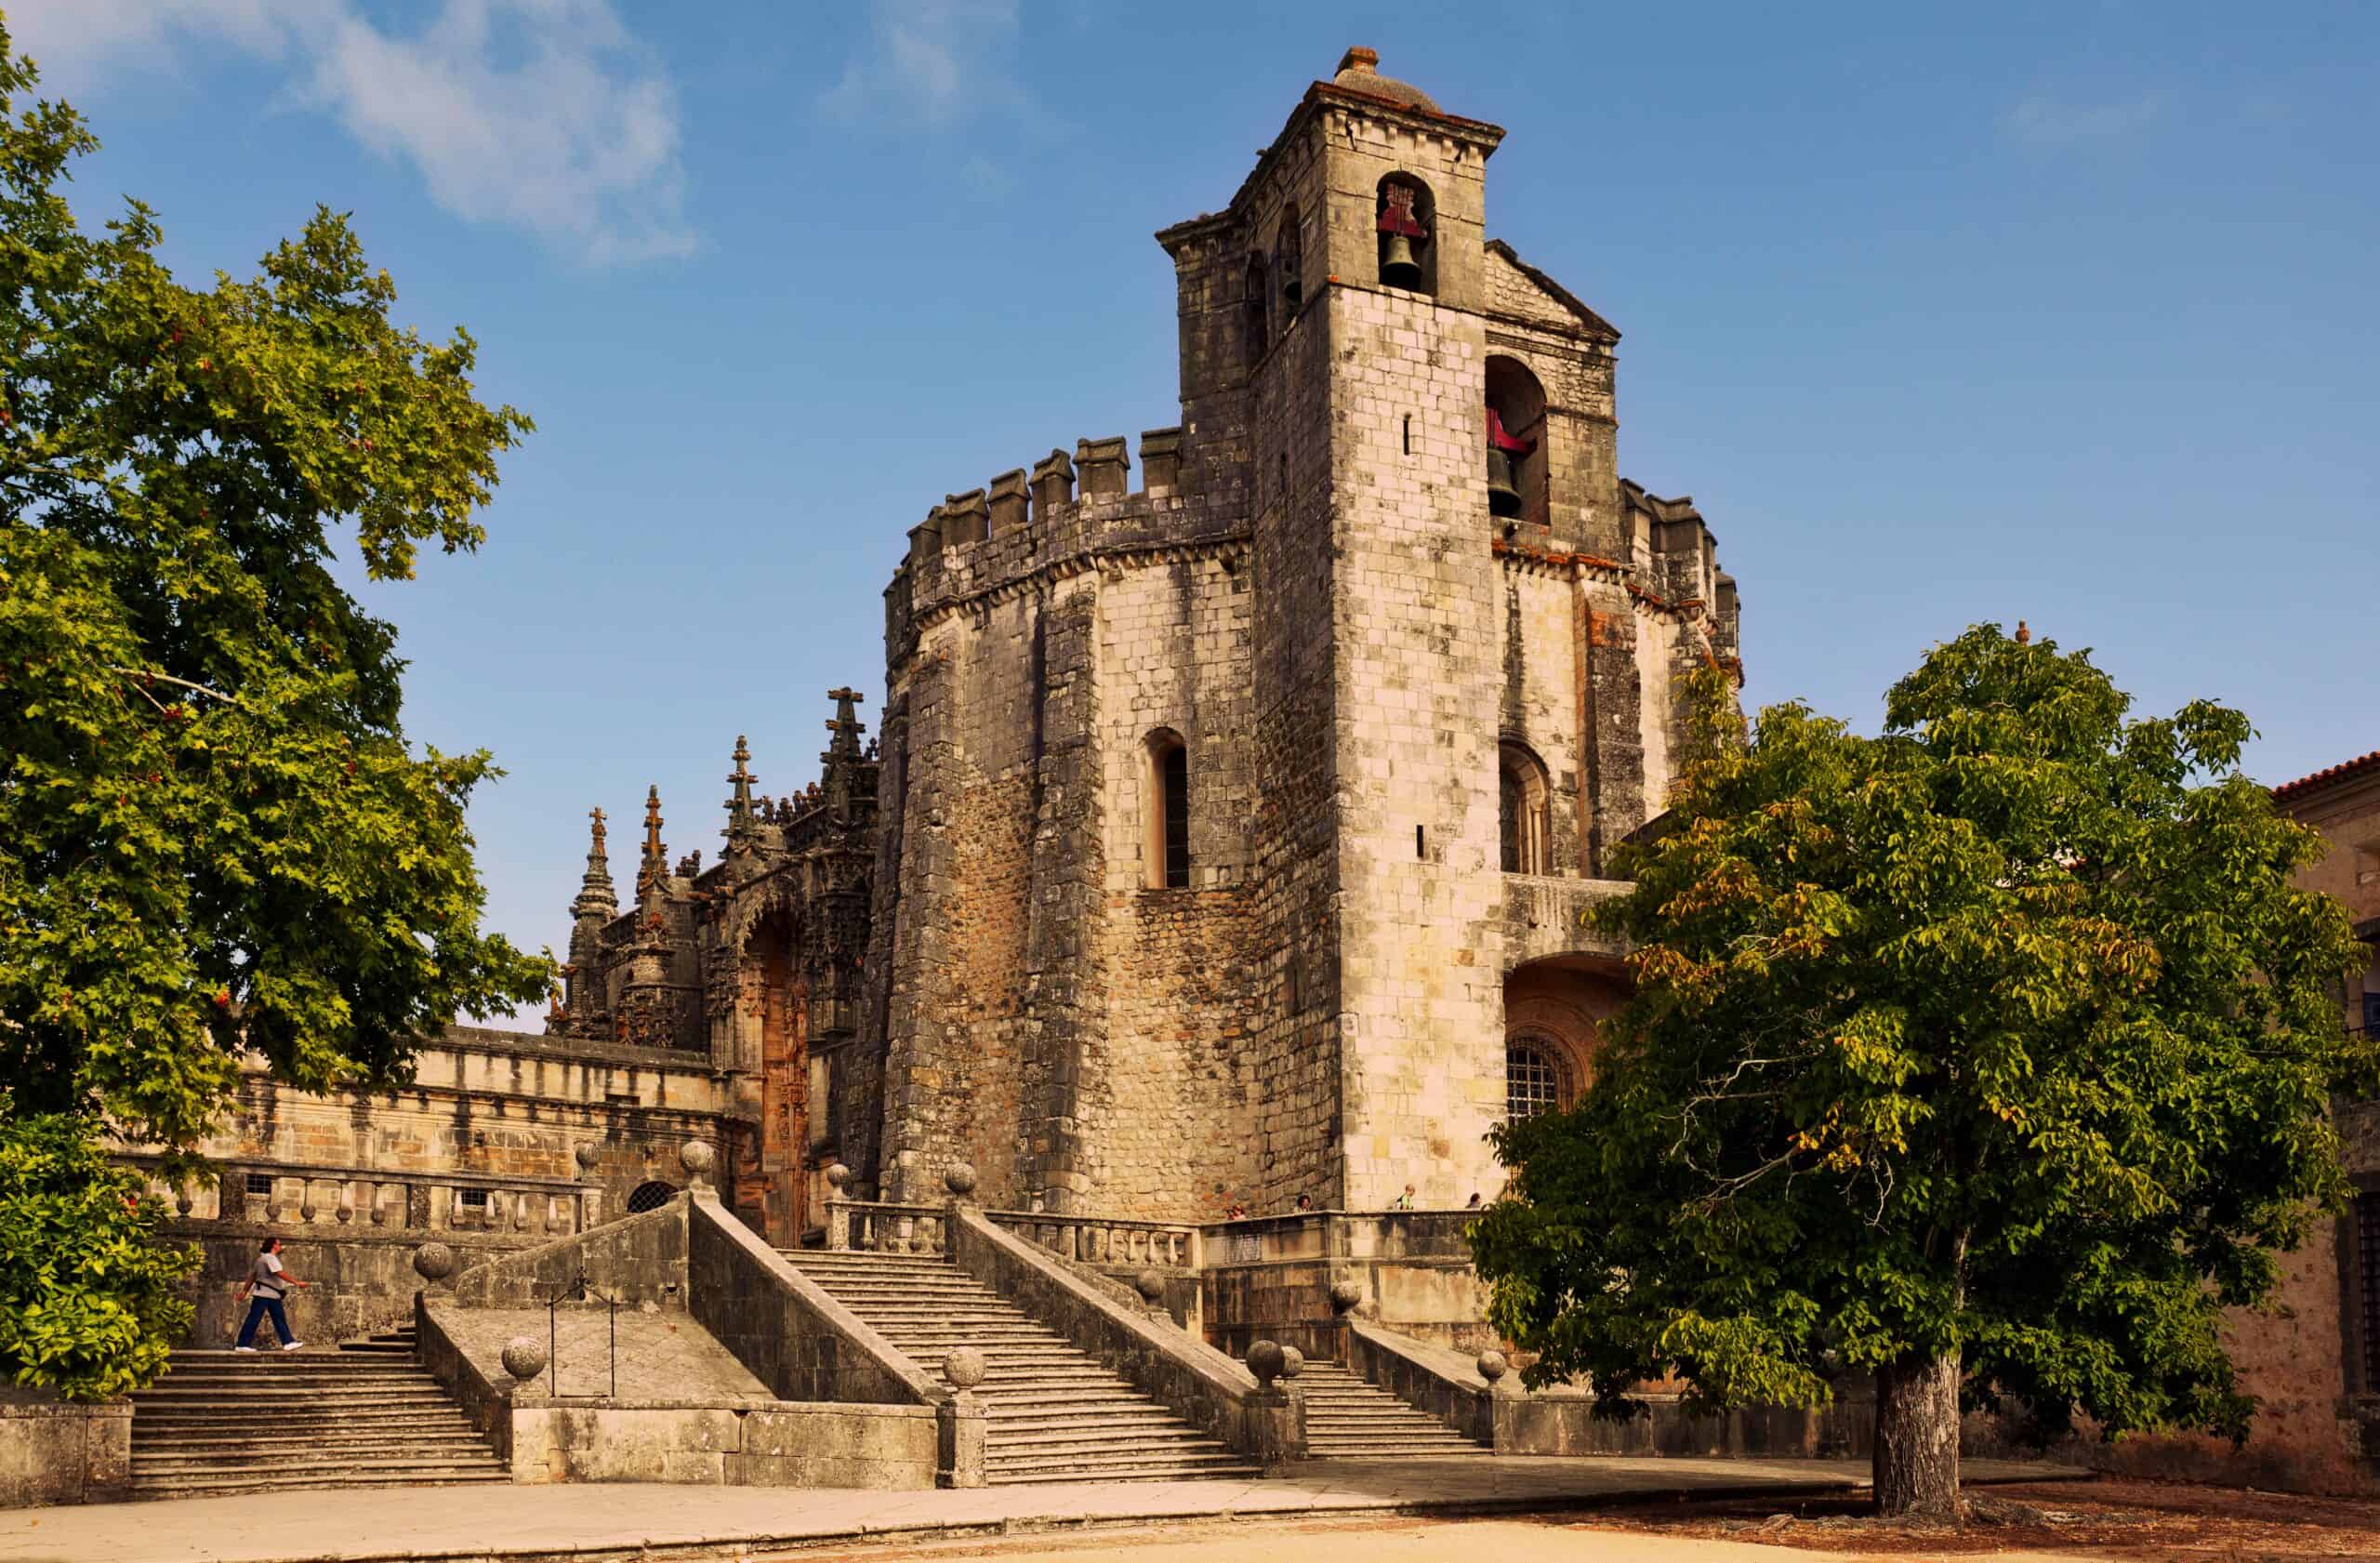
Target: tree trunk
column 1917, row 1437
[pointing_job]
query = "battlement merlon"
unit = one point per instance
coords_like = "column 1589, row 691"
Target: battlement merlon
column 1031, row 521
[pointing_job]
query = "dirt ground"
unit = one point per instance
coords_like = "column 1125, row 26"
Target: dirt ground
column 2104, row 1521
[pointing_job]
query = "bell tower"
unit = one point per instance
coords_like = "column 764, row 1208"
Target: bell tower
column 1333, row 362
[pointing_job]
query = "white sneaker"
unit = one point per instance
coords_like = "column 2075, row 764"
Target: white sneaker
column 291, row 1346
column 250, row 1350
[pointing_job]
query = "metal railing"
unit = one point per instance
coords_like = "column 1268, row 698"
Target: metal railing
column 578, row 1291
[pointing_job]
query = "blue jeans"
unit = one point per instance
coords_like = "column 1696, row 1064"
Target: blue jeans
column 257, row 1307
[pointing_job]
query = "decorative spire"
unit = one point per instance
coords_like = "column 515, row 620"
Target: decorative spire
column 843, row 754
column 741, row 822
column 656, row 863
column 2024, row 636
column 595, row 898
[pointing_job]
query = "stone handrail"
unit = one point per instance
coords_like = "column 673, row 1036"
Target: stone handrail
column 878, row 1226
column 353, row 1200
column 1113, row 1241
column 1423, row 1379
column 1197, row 1383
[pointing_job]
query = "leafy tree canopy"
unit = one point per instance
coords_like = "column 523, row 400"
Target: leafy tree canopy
column 2002, row 1039
column 90, row 1296
column 211, row 828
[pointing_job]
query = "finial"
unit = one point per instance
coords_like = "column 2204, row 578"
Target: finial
column 656, row 863
column 595, row 899
column 2024, row 636
column 1359, row 58
column 740, row 819
column 842, row 753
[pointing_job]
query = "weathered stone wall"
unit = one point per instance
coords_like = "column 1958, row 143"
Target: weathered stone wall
column 754, row 1443
column 358, row 1282
column 53, row 1452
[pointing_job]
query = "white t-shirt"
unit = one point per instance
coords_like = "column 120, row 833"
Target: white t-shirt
column 267, row 1275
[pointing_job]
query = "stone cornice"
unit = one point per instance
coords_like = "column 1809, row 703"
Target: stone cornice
column 1108, row 559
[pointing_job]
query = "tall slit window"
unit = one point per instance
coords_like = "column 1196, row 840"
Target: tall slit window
column 1167, row 845
column 1524, row 818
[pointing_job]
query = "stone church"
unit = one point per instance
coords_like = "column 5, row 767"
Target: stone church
column 1229, row 825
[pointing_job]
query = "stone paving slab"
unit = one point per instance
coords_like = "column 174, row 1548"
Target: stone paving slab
column 650, row 1524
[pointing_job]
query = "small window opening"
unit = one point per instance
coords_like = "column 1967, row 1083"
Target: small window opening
column 1419, row 849
column 1533, row 1082
column 1165, row 845
column 472, row 1199
column 649, row 1197
column 259, row 1182
column 1409, row 433
column 1255, row 329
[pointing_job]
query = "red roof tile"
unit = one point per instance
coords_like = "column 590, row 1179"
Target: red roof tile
column 2339, row 771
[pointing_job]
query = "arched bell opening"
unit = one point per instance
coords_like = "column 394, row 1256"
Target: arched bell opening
column 1289, row 266
column 1255, row 330
column 1516, row 435
column 1524, row 809
column 1406, row 217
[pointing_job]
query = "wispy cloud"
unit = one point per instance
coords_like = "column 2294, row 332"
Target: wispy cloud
column 542, row 114
column 2047, row 123
column 929, row 63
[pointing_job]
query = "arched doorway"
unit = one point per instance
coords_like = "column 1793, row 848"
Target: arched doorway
column 775, row 992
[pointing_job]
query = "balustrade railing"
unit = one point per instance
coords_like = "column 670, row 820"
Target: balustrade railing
column 876, row 1227
column 335, row 1202
column 1095, row 1239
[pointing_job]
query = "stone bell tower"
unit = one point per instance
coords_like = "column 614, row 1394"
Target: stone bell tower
column 1333, row 330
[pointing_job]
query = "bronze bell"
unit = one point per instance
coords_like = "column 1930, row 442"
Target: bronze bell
column 1504, row 495
column 1397, row 266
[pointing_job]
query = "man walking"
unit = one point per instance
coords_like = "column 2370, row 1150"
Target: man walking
column 265, row 1287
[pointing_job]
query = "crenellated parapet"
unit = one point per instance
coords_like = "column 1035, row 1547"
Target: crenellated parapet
column 1065, row 514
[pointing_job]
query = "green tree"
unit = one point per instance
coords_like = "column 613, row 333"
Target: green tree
column 1995, row 1050
column 90, row 1299
column 213, row 833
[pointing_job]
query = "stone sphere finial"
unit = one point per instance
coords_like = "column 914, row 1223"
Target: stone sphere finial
column 838, row 1177
column 588, row 1153
column 697, row 1158
column 1345, row 1292
column 1149, row 1284
column 1493, row 1365
column 524, row 1359
column 433, row 1262
column 1292, row 1362
column 960, row 1179
column 964, row 1366
column 1266, row 1359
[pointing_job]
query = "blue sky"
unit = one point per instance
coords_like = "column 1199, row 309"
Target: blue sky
column 2060, row 311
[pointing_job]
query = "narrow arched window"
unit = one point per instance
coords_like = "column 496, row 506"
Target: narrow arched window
column 1523, row 811
column 1534, row 1082
column 1255, row 331
column 1288, row 267
column 1407, row 220
column 1166, row 844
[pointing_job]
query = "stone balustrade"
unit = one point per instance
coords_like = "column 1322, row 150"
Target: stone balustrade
column 340, row 1202
column 874, row 1226
column 1106, row 1240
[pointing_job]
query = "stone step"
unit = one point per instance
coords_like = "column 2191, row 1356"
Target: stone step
column 1056, row 1441
column 343, row 1399
column 1023, row 1399
column 1119, row 1420
column 462, row 1436
column 362, row 1466
column 1166, row 1468
column 241, row 1378
column 242, row 1485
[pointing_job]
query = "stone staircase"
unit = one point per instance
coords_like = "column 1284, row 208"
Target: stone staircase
column 1347, row 1418
column 224, row 1423
column 1052, row 1412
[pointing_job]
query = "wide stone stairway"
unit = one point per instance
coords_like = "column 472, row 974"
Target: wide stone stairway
column 1347, row 1418
column 1052, row 1412
column 222, row 1422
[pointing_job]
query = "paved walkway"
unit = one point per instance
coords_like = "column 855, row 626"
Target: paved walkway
column 614, row 1524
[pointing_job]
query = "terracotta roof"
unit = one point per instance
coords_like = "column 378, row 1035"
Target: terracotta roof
column 2339, row 771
